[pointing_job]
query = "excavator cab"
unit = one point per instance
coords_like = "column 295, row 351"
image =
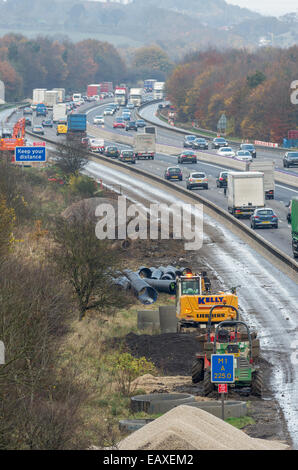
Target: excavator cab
column 194, row 301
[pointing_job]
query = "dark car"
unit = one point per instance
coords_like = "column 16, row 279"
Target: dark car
column 219, row 142
column 28, row 122
column 290, row 159
column 111, row 151
column 251, row 149
column 200, row 143
column 127, row 156
column 131, row 126
column 188, row 140
column 47, row 123
column 264, row 217
column 140, row 123
column 222, row 179
column 174, row 173
column 197, row 180
column 187, row 156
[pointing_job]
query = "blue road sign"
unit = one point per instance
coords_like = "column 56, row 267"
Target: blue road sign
column 222, row 368
column 30, row 154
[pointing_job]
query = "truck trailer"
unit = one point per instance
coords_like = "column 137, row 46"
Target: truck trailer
column 59, row 113
column 51, row 98
column 158, row 90
column 38, row 95
column 76, row 126
column 144, row 146
column 120, row 95
column 266, row 167
column 245, row 192
column 135, row 96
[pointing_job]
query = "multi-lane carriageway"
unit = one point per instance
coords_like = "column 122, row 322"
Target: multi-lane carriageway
column 268, row 297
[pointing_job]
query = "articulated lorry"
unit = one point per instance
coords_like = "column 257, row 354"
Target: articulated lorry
column 144, row 145
column 121, row 95
column 158, row 90
column 266, row 167
column 294, row 223
column 245, row 192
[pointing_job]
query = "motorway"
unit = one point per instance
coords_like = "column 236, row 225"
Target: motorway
column 268, row 297
column 281, row 238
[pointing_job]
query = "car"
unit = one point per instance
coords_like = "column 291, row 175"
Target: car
column 187, row 156
column 127, row 156
column 126, row 116
column 264, row 217
column 119, row 123
column 111, row 151
column 27, row 111
column 98, row 120
column 219, row 142
column 130, row 105
column 250, row 148
column 109, row 111
column 140, row 123
column 131, row 126
column 222, row 179
column 28, row 122
column 47, row 123
column 38, row 130
column 188, row 140
column 174, row 173
column 290, row 159
column 243, row 156
column 85, row 142
column 200, row 143
column 197, row 179
column 226, row 152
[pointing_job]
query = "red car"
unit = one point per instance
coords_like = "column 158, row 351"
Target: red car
column 119, row 123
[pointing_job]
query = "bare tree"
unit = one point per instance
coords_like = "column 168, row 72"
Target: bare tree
column 71, row 157
column 89, row 264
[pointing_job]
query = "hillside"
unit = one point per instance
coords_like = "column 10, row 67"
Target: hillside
column 172, row 24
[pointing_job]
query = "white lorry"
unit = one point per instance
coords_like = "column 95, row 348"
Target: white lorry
column 51, row 98
column 266, row 167
column 158, row 90
column 61, row 94
column 136, row 96
column 144, row 146
column 60, row 113
column 245, row 192
column 38, row 95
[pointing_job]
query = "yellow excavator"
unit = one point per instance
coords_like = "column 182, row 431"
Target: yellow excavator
column 194, row 301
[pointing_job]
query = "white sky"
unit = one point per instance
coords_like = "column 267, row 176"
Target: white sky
column 268, row 7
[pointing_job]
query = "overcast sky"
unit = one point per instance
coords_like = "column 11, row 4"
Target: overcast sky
column 268, row 7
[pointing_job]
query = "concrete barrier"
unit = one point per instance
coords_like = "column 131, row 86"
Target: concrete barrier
column 167, row 319
column 159, row 402
column 233, row 409
column 148, row 319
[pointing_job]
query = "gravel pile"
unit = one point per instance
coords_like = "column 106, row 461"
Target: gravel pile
column 188, row 428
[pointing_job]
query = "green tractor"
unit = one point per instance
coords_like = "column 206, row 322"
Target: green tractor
column 230, row 337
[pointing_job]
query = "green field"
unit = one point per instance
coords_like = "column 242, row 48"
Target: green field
column 74, row 36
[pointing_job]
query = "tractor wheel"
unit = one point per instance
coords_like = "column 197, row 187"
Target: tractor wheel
column 197, row 371
column 257, row 384
column 207, row 385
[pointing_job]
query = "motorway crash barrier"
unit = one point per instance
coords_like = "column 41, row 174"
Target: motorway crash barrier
column 226, row 216
column 159, row 402
column 280, row 176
